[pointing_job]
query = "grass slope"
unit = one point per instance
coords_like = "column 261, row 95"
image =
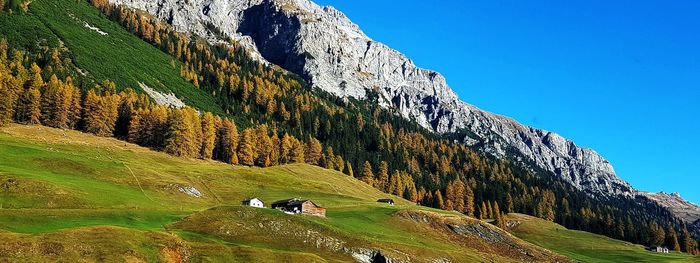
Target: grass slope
column 68, row 195
column 587, row 247
column 118, row 56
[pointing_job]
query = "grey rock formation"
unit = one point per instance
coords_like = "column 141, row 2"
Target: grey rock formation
column 324, row 46
column 689, row 212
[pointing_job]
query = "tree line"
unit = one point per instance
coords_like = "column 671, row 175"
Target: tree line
column 388, row 152
column 27, row 98
column 355, row 137
column 14, row 5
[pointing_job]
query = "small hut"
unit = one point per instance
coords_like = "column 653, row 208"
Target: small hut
column 253, row 202
column 386, row 201
column 299, row 206
column 659, row 249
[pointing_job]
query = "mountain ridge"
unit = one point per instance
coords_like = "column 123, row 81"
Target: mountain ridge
column 333, row 54
column 531, row 191
column 686, row 210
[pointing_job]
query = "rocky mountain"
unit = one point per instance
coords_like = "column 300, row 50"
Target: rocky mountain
column 332, row 53
column 689, row 212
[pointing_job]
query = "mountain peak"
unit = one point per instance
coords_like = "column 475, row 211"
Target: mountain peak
column 332, row 53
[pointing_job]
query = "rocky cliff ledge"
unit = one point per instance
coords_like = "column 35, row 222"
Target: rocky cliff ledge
column 332, row 53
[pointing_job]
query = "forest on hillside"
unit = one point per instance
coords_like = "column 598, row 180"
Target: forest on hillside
column 272, row 117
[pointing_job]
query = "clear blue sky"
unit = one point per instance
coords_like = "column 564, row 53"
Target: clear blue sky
column 621, row 77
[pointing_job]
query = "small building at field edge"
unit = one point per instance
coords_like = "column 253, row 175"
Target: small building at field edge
column 386, row 201
column 299, row 206
column 659, row 249
column 253, row 202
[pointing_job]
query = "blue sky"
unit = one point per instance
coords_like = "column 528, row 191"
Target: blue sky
column 621, row 77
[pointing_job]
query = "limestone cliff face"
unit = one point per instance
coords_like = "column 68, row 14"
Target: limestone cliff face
column 689, row 212
column 332, row 53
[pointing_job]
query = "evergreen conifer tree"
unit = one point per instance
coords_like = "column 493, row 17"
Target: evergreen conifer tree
column 469, row 201
column 29, row 107
column 297, row 151
column 209, row 130
column 439, row 202
column 367, row 175
column 348, row 169
column 227, row 142
column 483, row 212
column 246, row 147
column 263, row 146
column 672, row 239
column 383, row 177
column 181, row 137
column 313, row 151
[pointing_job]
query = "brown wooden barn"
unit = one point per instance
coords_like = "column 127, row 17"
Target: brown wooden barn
column 298, row 206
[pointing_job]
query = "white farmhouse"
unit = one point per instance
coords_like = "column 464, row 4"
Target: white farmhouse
column 658, row 249
column 253, row 202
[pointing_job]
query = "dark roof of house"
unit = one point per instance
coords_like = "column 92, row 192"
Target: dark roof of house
column 293, row 201
column 385, row 200
column 248, row 199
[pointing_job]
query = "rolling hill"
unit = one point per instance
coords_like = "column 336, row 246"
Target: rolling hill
column 68, row 195
column 586, row 247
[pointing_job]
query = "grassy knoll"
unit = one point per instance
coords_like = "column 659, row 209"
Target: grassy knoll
column 60, row 189
column 96, row 243
column 587, row 247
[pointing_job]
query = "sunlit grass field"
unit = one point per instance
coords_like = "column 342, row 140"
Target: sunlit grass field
column 587, row 247
column 66, row 190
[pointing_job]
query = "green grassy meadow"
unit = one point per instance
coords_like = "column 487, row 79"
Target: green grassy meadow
column 66, row 195
column 586, row 247
column 61, row 190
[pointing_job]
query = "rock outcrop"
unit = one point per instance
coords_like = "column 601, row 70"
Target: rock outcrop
column 689, row 212
column 332, row 53
column 476, row 233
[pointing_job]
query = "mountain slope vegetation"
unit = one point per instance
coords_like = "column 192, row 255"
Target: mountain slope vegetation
column 385, row 151
column 61, row 188
column 356, row 137
column 115, row 55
